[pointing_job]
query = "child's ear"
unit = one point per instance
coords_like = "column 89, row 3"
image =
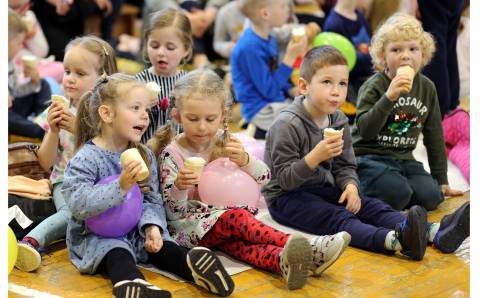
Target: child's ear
column 264, row 13
column 106, row 113
column 303, row 86
column 383, row 61
column 188, row 54
column 176, row 115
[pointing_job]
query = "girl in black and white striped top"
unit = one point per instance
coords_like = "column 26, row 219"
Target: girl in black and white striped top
column 168, row 40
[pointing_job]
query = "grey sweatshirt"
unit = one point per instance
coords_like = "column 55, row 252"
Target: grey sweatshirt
column 292, row 136
column 228, row 28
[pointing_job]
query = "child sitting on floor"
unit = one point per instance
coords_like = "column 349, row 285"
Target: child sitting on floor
column 200, row 104
column 314, row 186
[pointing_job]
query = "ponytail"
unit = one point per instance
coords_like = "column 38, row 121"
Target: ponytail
column 84, row 125
column 162, row 137
column 145, row 183
column 164, row 134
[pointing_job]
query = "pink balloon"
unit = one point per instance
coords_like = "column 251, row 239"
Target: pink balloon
column 251, row 145
column 223, row 183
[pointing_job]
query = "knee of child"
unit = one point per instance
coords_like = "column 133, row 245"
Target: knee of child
column 240, row 216
column 398, row 197
column 431, row 205
column 66, row 214
column 430, row 198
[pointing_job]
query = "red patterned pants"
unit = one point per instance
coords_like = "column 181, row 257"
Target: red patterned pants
column 239, row 234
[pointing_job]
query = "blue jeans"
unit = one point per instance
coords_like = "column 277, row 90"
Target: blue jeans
column 399, row 183
column 55, row 226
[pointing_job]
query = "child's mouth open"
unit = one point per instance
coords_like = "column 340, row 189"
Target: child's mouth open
column 139, row 129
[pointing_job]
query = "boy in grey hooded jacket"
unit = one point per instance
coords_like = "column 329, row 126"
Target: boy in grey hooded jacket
column 314, row 186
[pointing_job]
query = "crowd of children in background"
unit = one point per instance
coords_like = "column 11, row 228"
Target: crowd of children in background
column 347, row 189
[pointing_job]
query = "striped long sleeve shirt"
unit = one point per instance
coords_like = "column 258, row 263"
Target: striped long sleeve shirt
column 158, row 114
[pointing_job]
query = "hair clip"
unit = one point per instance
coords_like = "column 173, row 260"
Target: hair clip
column 171, row 98
column 103, row 78
column 105, row 50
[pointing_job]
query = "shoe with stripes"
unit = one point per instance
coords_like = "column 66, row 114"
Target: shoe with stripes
column 138, row 288
column 208, row 272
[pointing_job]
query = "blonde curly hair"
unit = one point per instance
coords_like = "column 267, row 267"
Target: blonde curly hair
column 400, row 27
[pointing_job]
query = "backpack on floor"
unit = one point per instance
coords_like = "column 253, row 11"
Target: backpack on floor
column 35, row 210
column 23, row 160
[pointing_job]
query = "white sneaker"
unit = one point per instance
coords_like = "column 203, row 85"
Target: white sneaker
column 295, row 260
column 28, row 258
column 326, row 250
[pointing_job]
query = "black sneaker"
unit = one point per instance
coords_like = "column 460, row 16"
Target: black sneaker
column 138, row 288
column 412, row 233
column 454, row 228
column 208, row 272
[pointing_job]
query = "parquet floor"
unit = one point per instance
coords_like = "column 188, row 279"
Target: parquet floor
column 357, row 273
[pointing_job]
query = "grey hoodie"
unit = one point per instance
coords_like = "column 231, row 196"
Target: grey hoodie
column 292, row 136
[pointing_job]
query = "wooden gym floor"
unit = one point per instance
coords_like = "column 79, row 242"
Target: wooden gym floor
column 357, row 273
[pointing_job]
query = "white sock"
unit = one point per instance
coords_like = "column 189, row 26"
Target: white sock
column 432, row 231
column 391, row 242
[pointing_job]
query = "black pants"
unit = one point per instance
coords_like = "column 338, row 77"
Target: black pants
column 120, row 265
column 260, row 134
column 32, row 104
column 443, row 70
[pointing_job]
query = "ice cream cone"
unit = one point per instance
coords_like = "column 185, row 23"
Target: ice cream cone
column 30, row 61
column 133, row 154
column 408, row 71
column 28, row 21
column 298, row 33
column 330, row 132
column 65, row 103
column 153, row 88
column 195, row 164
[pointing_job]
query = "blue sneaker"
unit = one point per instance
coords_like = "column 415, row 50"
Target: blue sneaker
column 454, row 228
column 412, row 233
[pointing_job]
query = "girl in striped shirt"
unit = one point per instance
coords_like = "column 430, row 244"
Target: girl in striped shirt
column 168, row 40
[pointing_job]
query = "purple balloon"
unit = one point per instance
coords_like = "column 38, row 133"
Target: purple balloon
column 121, row 219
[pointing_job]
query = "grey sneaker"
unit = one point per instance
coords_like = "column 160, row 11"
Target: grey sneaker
column 28, row 258
column 295, row 260
column 326, row 250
